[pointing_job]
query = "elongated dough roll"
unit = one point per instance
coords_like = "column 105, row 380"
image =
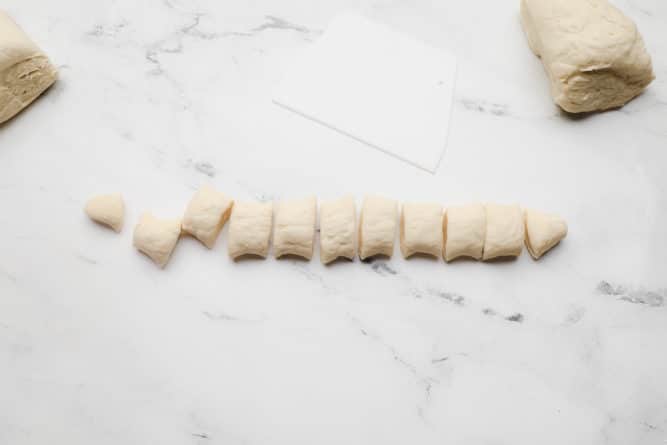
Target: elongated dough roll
column 206, row 214
column 593, row 54
column 464, row 231
column 377, row 227
column 337, row 229
column 504, row 231
column 25, row 71
column 294, row 232
column 543, row 231
column 157, row 238
column 421, row 229
column 250, row 229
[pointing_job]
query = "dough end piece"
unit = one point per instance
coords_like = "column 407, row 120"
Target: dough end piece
column 107, row 209
column 543, row 232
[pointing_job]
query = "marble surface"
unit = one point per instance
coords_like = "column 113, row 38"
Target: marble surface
column 157, row 97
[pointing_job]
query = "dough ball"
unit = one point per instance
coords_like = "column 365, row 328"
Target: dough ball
column 504, row 231
column 543, row 231
column 465, row 231
column 206, row 214
column 25, row 71
column 107, row 209
column 250, row 229
column 593, row 54
column 377, row 227
column 421, row 229
column 337, row 229
column 294, row 231
column 157, row 238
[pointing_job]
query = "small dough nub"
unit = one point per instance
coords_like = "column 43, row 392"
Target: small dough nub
column 504, row 231
column 337, row 229
column 107, row 209
column 377, row 227
column 206, row 214
column 294, row 231
column 157, row 238
column 543, row 231
column 464, row 230
column 250, row 229
column 421, row 229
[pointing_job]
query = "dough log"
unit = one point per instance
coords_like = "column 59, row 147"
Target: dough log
column 337, row 229
column 593, row 54
column 294, row 232
column 377, row 227
column 421, row 229
column 157, row 238
column 250, row 229
column 25, row 71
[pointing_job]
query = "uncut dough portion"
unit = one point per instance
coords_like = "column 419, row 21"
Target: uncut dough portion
column 543, row 231
column 206, row 214
column 107, row 209
column 464, row 231
column 377, row 227
column 593, row 54
column 421, row 229
column 294, row 232
column 250, row 229
column 504, row 231
column 157, row 238
column 25, row 71
column 337, row 229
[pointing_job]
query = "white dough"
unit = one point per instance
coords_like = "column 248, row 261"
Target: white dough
column 107, row 209
column 421, row 229
column 465, row 230
column 294, row 231
column 25, row 71
column 593, row 54
column 377, row 227
column 206, row 214
column 250, row 229
column 504, row 231
column 543, row 231
column 337, row 229
column 157, row 238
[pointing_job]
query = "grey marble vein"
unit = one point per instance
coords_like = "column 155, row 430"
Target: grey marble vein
column 653, row 298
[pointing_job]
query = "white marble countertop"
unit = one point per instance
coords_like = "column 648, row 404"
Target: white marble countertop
column 97, row 345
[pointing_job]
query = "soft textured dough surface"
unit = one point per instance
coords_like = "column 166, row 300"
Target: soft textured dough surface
column 543, row 231
column 157, row 238
column 337, row 229
column 421, row 229
column 25, row 71
column 464, row 230
column 107, row 209
column 206, row 214
column 377, row 227
column 593, row 54
column 250, row 229
column 504, row 231
column 294, row 231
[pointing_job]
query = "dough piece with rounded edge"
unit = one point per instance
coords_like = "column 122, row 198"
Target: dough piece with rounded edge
column 337, row 229
column 593, row 54
column 25, row 71
column 504, row 231
column 421, row 229
column 250, row 229
column 543, row 231
column 157, row 238
column 377, row 227
column 107, row 209
column 464, row 230
column 294, row 231
column 206, row 214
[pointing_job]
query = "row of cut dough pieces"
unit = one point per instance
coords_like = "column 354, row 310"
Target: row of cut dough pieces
column 477, row 231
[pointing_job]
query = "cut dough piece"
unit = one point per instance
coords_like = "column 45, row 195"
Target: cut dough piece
column 543, row 231
column 250, row 229
column 377, row 227
column 421, row 229
column 337, row 229
column 206, row 214
column 107, row 209
column 294, row 232
column 464, row 230
column 593, row 54
column 504, row 231
column 157, row 238
column 25, row 71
